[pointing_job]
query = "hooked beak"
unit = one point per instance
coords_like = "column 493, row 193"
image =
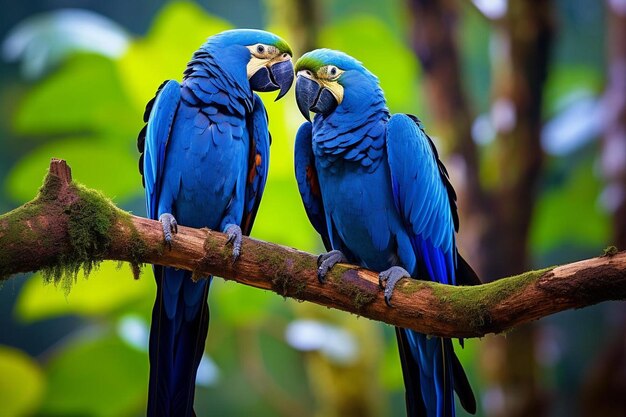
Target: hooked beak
column 278, row 76
column 311, row 97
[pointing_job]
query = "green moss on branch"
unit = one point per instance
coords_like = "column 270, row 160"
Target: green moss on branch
column 477, row 301
column 89, row 221
column 90, row 217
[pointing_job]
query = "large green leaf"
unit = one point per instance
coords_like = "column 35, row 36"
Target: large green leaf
column 96, row 377
column 179, row 29
column 84, row 95
column 108, row 289
column 372, row 42
column 21, row 383
column 98, row 164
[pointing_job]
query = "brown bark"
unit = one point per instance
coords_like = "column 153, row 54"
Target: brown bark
column 424, row 306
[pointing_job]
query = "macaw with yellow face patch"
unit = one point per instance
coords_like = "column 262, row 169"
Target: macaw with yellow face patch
column 375, row 190
column 204, row 160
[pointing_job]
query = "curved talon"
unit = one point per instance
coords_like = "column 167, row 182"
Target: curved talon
column 321, row 276
column 320, row 258
column 234, row 237
column 326, row 261
column 388, row 280
column 170, row 225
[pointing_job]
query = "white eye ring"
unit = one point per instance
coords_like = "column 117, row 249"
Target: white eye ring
column 260, row 49
column 333, row 71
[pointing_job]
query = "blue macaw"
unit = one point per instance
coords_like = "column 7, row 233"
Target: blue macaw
column 204, row 161
column 374, row 188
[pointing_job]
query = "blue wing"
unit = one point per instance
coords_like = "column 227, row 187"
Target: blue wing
column 308, row 185
column 426, row 202
column 153, row 139
column 421, row 196
column 179, row 322
column 258, row 163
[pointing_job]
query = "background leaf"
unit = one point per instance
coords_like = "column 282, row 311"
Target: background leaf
column 102, row 164
column 85, row 96
column 22, row 383
column 107, row 290
column 179, row 29
column 106, row 377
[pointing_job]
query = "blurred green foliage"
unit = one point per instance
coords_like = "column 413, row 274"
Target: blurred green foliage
column 89, row 111
column 97, row 376
column 22, row 383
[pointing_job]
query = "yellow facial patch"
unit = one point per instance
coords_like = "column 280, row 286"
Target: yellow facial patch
column 327, row 76
column 264, row 56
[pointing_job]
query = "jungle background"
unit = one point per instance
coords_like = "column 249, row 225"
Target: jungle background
column 526, row 100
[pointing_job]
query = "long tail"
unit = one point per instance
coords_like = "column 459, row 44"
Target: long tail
column 180, row 322
column 432, row 373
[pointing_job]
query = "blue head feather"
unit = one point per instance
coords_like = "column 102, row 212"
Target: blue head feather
column 318, row 58
column 220, row 65
column 363, row 96
column 355, row 129
column 228, row 48
column 247, row 37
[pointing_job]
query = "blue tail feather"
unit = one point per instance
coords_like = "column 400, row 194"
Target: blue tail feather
column 180, row 320
column 427, row 365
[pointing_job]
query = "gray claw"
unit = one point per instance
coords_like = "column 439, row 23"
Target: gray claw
column 234, row 237
column 389, row 278
column 170, row 225
column 326, row 261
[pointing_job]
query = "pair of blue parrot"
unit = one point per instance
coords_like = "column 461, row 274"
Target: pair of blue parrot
column 372, row 185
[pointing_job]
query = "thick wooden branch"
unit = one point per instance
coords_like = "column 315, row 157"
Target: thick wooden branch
column 67, row 226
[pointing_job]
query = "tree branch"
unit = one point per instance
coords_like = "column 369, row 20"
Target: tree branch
column 67, row 227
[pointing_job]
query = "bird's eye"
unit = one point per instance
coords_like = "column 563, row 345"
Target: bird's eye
column 332, row 71
column 260, row 49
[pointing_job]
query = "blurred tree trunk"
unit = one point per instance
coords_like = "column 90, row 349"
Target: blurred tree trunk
column 604, row 388
column 614, row 146
column 495, row 221
column 433, row 39
column 302, row 20
column 604, row 391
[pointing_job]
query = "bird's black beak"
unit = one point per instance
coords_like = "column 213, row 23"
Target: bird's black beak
column 307, row 91
column 313, row 98
column 278, row 76
column 282, row 72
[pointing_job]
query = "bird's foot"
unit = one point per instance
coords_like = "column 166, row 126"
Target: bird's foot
column 170, row 225
column 234, row 237
column 326, row 261
column 388, row 280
